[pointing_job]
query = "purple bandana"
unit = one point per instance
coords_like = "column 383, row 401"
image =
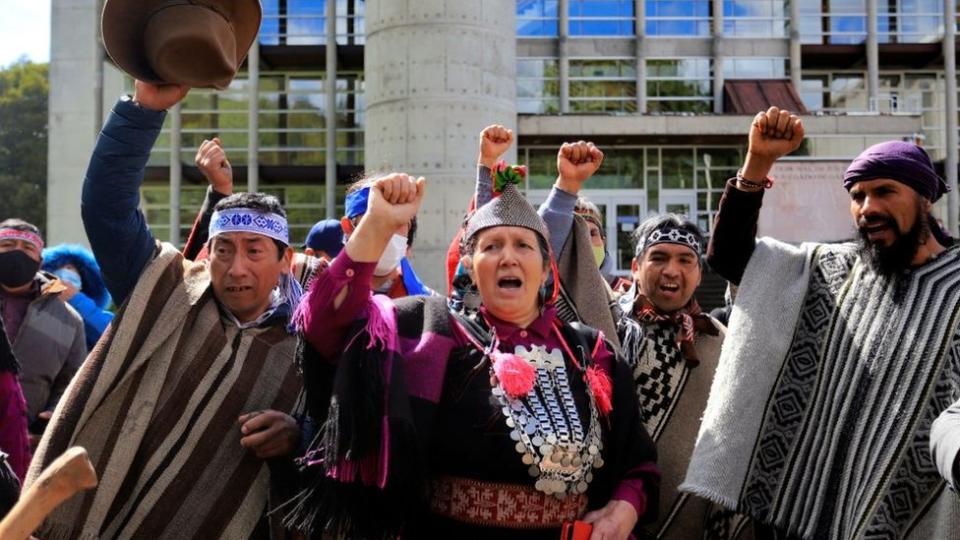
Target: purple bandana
column 901, row 161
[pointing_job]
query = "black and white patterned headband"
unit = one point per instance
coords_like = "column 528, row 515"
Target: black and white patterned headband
column 669, row 235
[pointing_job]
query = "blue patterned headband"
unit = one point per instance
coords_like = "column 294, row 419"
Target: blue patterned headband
column 356, row 202
column 669, row 235
column 249, row 220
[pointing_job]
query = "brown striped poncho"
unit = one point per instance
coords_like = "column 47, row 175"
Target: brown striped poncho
column 157, row 403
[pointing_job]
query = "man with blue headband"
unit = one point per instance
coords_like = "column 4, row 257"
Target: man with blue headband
column 183, row 405
column 394, row 275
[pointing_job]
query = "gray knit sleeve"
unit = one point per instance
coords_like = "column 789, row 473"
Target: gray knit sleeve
column 557, row 213
column 484, row 188
column 945, row 443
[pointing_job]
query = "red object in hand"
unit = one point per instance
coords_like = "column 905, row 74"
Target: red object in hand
column 576, row 530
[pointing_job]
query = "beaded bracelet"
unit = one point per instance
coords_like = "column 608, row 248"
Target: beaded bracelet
column 766, row 183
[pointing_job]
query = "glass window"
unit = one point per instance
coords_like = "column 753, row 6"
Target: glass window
column 755, row 68
column 292, row 120
column 848, row 92
column 754, row 18
column 599, row 86
column 541, row 167
column 677, row 170
column 679, row 85
column 811, row 22
column 682, row 18
column 601, row 18
column 910, row 21
column 847, row 21
column 303, row 22
column 538, row 85
column 813, row 92
column 622, row 169
column 537, row 18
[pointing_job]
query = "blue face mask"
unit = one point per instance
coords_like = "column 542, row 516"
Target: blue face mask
column 70, row 277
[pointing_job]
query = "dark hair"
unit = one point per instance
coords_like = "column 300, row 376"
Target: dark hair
column 660, row 221
column 470, row 245
column 261, row 202
column 413, row 231
column 20, row 225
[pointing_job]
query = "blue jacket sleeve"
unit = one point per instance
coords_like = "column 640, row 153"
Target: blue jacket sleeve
column 557, row 213
column 91, row 313
column 115, row 226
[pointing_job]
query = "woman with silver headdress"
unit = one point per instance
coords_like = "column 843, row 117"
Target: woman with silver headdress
column 506, row 423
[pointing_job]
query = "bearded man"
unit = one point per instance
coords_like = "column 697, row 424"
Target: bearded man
column 838, row 357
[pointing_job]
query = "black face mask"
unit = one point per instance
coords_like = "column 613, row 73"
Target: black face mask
column 17, row 268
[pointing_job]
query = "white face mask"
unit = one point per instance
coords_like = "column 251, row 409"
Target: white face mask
column 391, row 256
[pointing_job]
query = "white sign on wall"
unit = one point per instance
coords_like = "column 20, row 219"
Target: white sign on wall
column 807, row 203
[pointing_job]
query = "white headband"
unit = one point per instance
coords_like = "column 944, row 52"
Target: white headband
column 249, row 220
column 669, row 235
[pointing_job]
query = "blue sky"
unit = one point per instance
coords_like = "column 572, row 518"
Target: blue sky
column 25, row 31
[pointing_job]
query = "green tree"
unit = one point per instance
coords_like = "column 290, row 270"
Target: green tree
column 23, row 142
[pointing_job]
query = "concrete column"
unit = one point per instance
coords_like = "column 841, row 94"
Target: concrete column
column 73, row 120
column 718, row 57
column 253, row 118
column 331, row 112
column 873, row 58
column 438, row 72
column 639, row 10
column 796, row 73
column 563, row 54
column 176, row 173
column 950, row 141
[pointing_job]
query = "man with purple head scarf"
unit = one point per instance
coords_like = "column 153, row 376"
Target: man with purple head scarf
column 838, row 357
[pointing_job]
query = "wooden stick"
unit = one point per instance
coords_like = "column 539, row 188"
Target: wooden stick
column 68, row 474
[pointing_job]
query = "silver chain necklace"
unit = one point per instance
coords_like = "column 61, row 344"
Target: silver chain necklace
column 546, row 426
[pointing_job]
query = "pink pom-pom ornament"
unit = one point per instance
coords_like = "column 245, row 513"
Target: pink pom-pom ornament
column 515, row 374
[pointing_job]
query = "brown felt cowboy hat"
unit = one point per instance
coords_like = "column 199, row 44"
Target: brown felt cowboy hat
column 199, row 43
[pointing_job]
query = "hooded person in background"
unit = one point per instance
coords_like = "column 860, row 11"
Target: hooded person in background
column 838, row 357
column 46, row 334
column 86, row 292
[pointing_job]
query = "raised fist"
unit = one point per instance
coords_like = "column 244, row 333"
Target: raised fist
column 775, row 133
column 495, row 140
column 213, row 163
column 576, row 162
column 395, row 199
column 158, row 97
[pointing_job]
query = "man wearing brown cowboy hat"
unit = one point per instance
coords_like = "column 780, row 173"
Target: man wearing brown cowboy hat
column 183, row 404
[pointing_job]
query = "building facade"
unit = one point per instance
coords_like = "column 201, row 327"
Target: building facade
column 663, row 86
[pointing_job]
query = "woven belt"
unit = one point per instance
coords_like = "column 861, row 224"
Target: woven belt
column 511, row 506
